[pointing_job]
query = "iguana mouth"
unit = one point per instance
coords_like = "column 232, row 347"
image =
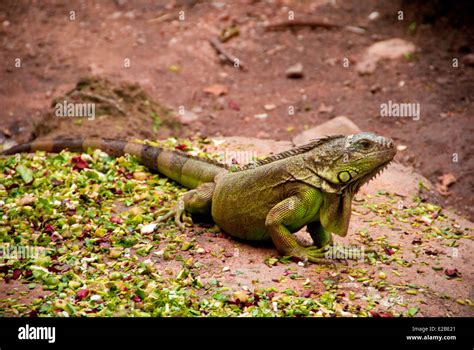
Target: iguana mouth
column 354, row 187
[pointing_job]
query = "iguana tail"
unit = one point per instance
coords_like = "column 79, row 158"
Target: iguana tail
column 187, row 170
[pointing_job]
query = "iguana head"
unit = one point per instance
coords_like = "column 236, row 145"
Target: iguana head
column 347, row 162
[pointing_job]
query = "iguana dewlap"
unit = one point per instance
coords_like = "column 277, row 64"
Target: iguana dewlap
column 312, row 185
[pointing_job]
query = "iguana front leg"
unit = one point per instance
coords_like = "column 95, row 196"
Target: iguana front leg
column 292, row 213
column 320, row 236
column 336, row 213
column 197, row 201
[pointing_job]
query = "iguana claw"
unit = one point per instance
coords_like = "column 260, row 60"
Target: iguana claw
column 178, row 212
column 313, row 254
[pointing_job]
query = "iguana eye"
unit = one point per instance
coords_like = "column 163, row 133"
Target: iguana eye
column 365, row 144
column 344, row 176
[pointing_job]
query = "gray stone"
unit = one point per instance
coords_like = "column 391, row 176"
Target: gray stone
column 396, row 178
column 468, row 59
column 244, row 149
column 295, row 71
column 387, row 49
column 337, row 126
column 187, row 117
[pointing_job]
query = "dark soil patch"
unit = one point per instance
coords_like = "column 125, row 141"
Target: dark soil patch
column 121, row 110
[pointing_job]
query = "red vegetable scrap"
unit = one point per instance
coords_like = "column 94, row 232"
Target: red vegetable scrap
column 82, row 294
column 452, row 272
column 181, row 147
column 79, row 163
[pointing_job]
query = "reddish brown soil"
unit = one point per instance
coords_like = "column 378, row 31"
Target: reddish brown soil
column 56, row 52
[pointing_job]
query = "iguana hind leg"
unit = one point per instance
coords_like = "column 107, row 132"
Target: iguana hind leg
column 197, row 201
column 292, row 212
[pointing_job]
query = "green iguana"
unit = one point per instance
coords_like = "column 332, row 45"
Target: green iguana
column 310, row 185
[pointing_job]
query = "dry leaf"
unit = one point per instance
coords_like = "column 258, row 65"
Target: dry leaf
column 445, row 181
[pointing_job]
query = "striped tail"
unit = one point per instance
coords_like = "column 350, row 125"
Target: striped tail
column 187, row 170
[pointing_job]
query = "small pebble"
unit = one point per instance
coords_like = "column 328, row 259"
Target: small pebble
column 295, row 71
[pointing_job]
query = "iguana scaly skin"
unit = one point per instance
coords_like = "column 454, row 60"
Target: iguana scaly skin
column 312, row 185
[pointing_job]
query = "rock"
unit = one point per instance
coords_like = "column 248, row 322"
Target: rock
column 295, row 71
column 30, row 50
column 148, row 228
column 444, row 181
column 354, row 29
column 6, row 131
column 261, row 116
column 468, row 59
column 325, row 109
column 269, row 107
column 9, row 144
column 337, row 126
column 187, row 117
column 218, row 5
column 243, row 150
column 401, row 147
column 396, row 178
column 387, row 49
column 216, row 90
column 375, row 88
column 374, row 15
